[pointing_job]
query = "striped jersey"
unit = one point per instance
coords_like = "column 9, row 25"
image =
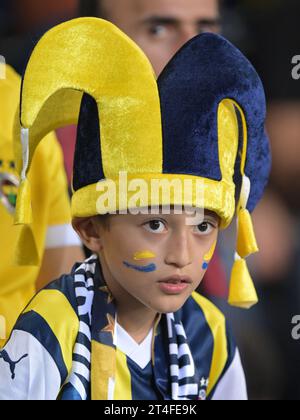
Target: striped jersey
column 37, row 361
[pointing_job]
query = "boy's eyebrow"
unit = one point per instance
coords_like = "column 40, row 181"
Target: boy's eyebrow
column 212, row 215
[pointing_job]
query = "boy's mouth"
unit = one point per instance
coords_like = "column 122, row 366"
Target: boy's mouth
column 176, row 279
column 174, row 285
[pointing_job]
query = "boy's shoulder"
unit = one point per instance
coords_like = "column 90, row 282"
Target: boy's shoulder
column 50, row 324
column 199, row 307
column 63, row 288
column 210, row 338
column 209, row 320
column 57, row 301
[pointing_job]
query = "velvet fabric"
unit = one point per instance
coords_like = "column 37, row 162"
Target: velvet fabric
column 207, row 70
column 184, row 125
column 88, row 156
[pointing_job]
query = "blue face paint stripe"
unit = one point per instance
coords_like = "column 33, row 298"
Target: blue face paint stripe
column 146, row 269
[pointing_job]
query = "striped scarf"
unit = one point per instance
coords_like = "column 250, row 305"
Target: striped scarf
column 184, row 385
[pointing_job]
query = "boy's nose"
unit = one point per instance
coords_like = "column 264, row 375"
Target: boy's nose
column 178, row 252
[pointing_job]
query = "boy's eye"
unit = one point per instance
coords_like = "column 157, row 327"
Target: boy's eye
column 155, row 226
column 204, row 228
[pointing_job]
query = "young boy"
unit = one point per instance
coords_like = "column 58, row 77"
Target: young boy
column 153, row 183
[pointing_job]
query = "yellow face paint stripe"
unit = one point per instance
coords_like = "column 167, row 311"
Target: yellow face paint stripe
column 143, row 255
column 209, row 255
column 217, row 325
column 56, row 310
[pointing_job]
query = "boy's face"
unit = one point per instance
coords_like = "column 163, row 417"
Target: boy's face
column 158, row 260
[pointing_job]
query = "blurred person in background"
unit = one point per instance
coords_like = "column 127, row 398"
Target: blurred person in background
column 57, row 245
column 159, row 27
column 25, row 21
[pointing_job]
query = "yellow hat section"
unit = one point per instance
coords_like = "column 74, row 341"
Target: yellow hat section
column 63, row 109
column 103, row 62
column 110, row 196
column 93, row 56
column 228, row 140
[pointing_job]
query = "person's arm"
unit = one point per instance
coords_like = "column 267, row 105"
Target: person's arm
column 37, row 359
column 63, row 249
column 62, row 246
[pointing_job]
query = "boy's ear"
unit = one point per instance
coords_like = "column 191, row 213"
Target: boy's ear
column 89, row 232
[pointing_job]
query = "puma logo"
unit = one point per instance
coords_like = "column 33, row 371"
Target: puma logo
column 4, row 355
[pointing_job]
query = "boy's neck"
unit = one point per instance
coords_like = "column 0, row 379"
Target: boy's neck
column 137, row 323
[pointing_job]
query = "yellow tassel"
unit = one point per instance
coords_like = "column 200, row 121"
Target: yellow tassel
column 26, row 253
column 246, row 240
column 242, row 292
column 23, row 214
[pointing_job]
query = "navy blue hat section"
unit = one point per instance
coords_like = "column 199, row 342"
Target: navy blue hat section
column 207, row 70
column 88, row 167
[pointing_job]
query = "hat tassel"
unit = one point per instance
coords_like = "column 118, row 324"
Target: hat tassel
column 23, row 214
column 246, row 240
column 26, row 253
column 242, row 292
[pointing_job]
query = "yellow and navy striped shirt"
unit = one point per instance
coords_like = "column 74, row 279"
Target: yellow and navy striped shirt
column 37, row 360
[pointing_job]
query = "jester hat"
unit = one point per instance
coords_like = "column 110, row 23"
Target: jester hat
column 202, row 120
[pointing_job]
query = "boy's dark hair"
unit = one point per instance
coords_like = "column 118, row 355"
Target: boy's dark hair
column 103, row 220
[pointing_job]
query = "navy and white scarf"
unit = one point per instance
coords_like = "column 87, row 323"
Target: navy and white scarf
column 184, row 385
